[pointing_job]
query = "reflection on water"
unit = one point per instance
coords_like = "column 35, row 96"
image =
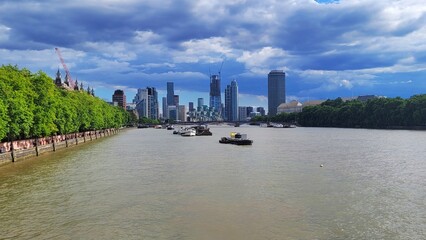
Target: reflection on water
column 151, row 184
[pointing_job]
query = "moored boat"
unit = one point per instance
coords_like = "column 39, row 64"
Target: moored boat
column 236, row 139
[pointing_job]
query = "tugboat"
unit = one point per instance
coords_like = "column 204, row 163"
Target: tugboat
column 236, row 139
column 202, row 130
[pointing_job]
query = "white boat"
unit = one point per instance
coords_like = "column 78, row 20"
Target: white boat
column 189, row 132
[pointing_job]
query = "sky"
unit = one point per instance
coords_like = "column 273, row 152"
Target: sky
column 328, row 49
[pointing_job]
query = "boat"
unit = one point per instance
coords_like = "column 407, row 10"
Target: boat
column 236, row 139
column 189, row 132
column 202, row 130
column 170, row 127
column 179, row 131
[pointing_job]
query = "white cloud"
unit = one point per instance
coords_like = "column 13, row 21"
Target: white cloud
column 346, row 84
column 209, row 50
column 107, row 66
column 117, row 50
column 4, row 33
column 263, row 60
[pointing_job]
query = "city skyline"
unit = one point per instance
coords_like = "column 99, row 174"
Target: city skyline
column 328, row 49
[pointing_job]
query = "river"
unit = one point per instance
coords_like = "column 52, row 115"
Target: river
column 151, row 184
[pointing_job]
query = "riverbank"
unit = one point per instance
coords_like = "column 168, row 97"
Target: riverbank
column 19, row 150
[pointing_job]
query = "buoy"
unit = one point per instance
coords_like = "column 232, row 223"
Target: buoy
column 321, row 165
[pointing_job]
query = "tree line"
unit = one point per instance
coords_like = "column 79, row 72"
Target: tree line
column 374, row 113
column 32, row 106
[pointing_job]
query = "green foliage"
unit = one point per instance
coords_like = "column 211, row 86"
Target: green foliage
column 44, row 112
column 375, row 113
column 145, row 120
column 16, row 92
column 4, row 119
column 32, row 106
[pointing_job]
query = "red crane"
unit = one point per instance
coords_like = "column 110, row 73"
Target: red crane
column 68, row 75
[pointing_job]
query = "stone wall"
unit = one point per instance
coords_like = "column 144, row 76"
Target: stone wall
column 34, row 147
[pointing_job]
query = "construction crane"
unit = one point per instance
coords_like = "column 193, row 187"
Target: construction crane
column 68, row 75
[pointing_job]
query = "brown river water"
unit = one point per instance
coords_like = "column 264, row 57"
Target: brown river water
column 151, row 184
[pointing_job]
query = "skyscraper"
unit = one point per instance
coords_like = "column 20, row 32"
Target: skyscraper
column 165, row 115
column 146, row 101
column 231, row 101
column 200, row 104
column 170, row 94
column 152, row 103
column 176, row 100
column 276, row 90
column 215, row 97
column 191, row 106
column 141, row 101
column 119, row 98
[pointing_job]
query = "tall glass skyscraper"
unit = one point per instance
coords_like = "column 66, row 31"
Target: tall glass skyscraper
column 170, row 94
column 165, row 113
column 231, row 101
column 276, row 90
column 215, row 97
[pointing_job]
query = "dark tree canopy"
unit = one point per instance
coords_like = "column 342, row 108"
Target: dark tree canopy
column 374, row 113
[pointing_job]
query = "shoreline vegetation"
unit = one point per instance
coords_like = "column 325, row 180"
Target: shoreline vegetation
column 34, row 112
column 378, row 113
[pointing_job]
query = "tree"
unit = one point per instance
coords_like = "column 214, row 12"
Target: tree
column 44, row 113
column 16, row 92
column 4, row 119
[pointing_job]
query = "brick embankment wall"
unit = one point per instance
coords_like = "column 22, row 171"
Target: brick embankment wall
column 34, row 147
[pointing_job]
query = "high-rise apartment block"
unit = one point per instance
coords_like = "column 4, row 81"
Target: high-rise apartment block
column 276, row 90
